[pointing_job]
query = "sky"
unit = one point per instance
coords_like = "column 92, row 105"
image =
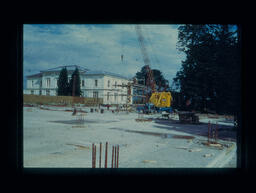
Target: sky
column 99, row 47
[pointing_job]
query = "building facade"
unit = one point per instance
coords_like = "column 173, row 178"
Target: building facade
column 93, row 84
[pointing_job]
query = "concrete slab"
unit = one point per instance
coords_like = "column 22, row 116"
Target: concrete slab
column 58, row 139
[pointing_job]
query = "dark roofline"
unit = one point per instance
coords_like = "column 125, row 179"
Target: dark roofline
column 52, row 69
column 106, row 74
column 35, row 75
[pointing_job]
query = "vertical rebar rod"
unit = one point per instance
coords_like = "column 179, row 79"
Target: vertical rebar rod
column 208, row 132
column 112, row 156
column 211, row 136
column 117, row 155
column 95, row 156
column 216, row 131
column 100, row 156
column 92, row 154
column 106, row 155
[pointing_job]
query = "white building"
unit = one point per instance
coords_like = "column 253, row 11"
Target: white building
column 96, row 84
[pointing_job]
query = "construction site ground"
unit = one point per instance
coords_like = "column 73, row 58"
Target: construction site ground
column 52, row 137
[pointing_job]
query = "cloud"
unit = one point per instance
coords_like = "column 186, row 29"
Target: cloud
column 99, row 47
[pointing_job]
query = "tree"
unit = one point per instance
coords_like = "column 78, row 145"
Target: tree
column 142, row 75
column 74, row 84
column 62, row 83
column 160, row 81
column 210, row 73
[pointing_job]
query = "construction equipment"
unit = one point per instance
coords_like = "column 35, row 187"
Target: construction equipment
column 162, row 101
column 188, row 117
column 155, row 101
column 159, row 101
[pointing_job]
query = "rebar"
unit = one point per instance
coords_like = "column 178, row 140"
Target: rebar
column 95, row 156
column 209, row 132
column 211, row 136
column 112, row 156
column 216, row 131
column 106, row 155
column 92, row 155
column 117, row 155
column 100, row 156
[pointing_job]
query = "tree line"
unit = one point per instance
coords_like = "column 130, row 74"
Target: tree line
column 210, row 75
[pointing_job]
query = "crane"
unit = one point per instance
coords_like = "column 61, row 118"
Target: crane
column 150, row 80
column 161, row 100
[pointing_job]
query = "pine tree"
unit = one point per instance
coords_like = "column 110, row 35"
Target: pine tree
column 62, row 83
column 74, row 84
column 210, row 72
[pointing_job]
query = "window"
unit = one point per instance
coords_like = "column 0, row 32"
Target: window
column 40, row 92
column 82, row 82
column 122, row 97
column 96, row 83
column 95, row 94
column 48, row 81
column 108, row 96
column 32, row 83
column 40, row 83
column 115, row 96
column 48, row 92
column 109, row 83
column 115, row 84
column 32, row 92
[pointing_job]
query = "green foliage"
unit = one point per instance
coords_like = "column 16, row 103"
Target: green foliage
column 62, row 83
column 74, row 84
column 157, row 74
column 210, row 74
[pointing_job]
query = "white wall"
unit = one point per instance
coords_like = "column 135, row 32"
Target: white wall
column 36, row 83
column 53, row 81
column 87, row 90
column 90, row 82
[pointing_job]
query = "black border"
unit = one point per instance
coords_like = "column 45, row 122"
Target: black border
column 15, row 143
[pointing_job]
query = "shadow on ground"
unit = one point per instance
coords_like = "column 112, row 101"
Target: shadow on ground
column 80, row 121
column 224, row 132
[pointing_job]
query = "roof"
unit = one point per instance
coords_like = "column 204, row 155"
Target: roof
column 100, row 72
column 81, row 70
column 68, row 67
column 35, row 75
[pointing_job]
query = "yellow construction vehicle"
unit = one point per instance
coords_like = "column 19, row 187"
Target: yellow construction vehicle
column 158, row 101
column 161, row 99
